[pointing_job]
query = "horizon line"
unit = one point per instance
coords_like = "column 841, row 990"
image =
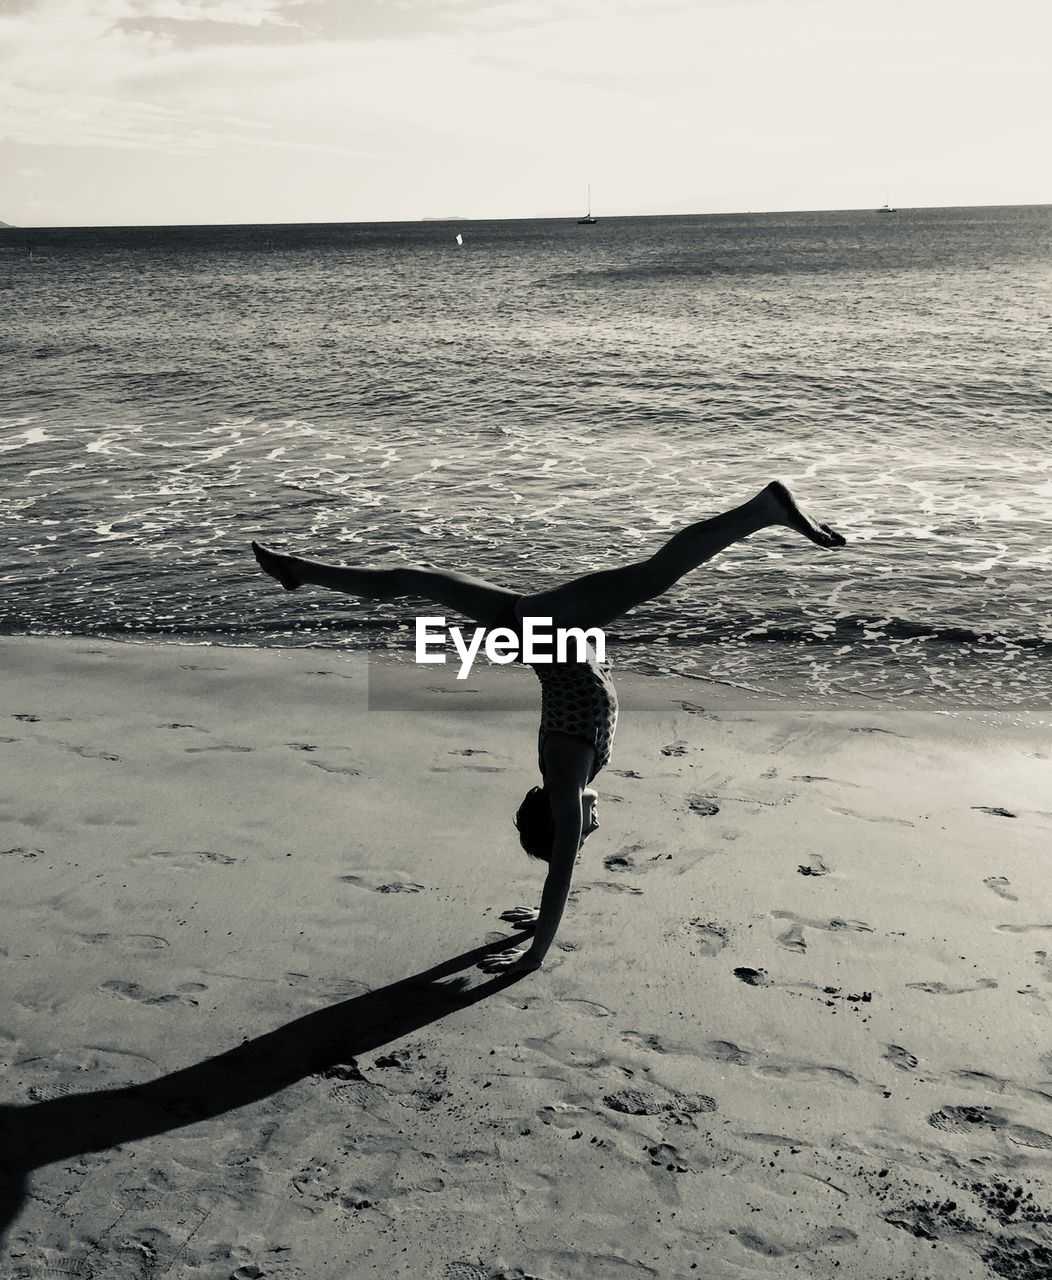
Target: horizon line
column 462, row 218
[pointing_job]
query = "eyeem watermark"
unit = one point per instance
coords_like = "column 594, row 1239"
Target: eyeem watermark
column 502, row 644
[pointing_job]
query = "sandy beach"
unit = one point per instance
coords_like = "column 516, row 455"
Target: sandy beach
column 796, row 1021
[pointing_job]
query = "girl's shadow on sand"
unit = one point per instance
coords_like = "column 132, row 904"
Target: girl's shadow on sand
column 46, row 1132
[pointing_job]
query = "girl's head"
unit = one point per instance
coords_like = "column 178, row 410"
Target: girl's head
column 534, row 821
column 537, row 828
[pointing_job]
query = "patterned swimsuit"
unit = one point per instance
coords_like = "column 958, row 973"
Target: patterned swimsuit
column 577, row 698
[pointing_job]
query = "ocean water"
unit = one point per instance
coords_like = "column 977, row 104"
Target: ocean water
column 546, row 400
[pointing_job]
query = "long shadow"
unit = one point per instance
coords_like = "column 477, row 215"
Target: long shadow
column 45, row 1132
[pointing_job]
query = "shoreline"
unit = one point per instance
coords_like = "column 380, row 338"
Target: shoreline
column 799, row 1003
column 400, row 657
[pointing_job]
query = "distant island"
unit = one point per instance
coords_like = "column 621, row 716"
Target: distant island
column 452, row 218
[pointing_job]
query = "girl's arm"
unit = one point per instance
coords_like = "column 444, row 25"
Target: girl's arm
column 567, row 764
column 566, row 813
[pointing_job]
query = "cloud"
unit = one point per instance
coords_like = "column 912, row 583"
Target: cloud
column 249, row 13
column 501, row 105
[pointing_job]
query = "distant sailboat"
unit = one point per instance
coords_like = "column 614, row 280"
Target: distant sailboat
column 886, row 208
column 588, row 220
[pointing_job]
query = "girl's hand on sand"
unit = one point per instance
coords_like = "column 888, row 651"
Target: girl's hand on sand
column 514, row 960
column 524, row 917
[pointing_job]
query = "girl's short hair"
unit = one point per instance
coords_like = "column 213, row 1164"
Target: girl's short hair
column 536, row 827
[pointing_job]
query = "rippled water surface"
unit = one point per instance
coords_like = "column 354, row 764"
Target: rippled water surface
column 546, row 400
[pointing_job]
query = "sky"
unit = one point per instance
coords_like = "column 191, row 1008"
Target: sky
column 120, row 112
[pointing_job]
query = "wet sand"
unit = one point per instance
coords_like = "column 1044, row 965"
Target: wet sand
column 797, row 1018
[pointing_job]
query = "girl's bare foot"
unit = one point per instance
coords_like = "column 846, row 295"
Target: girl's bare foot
column 784, row 510
column 278, row 566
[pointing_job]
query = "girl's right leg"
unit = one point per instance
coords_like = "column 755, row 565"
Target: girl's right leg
column 473, row 597
column 598, row 598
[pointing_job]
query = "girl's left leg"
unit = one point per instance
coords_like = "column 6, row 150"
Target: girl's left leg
column 475, row 598
column 598, row 598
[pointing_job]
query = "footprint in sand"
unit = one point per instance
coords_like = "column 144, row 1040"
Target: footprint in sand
column 176, row 724
column 587, row 1008
column 1022, row 928
column 793, row 939
column 466, row 1271
column 900, row 1057
column 729, row 1052
column 770, row 1248
column 946, row 989
column 609, row 886
column 392, row 886
column 814, row 866
column 301, row 746
column 760, row 978
column 919, row 1220
column 623, row 859
column 1044, row 961
column 634, row 1102
column 967, row 1119
column 645, row 1041
column 753, row 977
column 132, row 991
column 49, row 1092
column 692, row 709
column 187, row 859
column 470, row 768
column 1001, row 887
column 693, row 1104
column 777, row 1140
column 88, row 753
column 566, row 1055
column 998, row 1084
column 563, row 1115
column 995, row 811
column 677, row 748
column 871, row 817
column 806, row 1071
column 620, row 773
column 664, row 1155
column 21, row 851
column 702, row 806
column 1024, row 1136
column 125, row 943
column 221, row 747
column 707, row 936
column 26, row 718
column 869, row 728
column 346, row 770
